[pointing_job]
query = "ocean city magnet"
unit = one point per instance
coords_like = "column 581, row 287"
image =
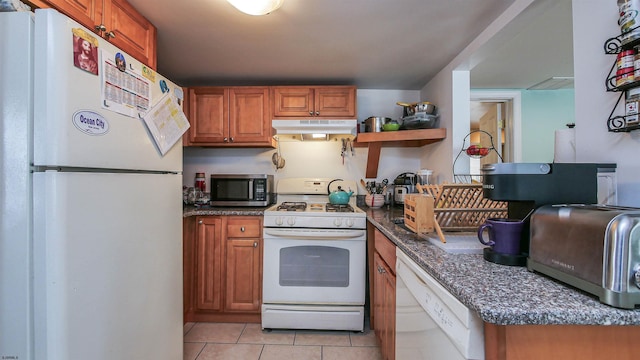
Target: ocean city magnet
column 90, row 123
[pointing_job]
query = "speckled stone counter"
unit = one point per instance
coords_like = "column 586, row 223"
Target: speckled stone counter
column 242, row 211
column 502, row 295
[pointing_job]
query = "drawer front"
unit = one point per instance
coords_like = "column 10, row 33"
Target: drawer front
column 386, row 248
column 244, row 227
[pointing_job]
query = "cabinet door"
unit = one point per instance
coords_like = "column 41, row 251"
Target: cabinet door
column 389, row 314
column 188, row 262
column 86, row 12
column 134, row 34
column 292, row 101
column 377, row 303
column 243, row 290
column 249, row 118
column 244, row 264
column 208, row 115
column 209, row 263
column 335, row 101
column 384, row 307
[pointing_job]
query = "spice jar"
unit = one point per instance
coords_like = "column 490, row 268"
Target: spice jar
column 632, row 105
column 625, row 67
column 629, row 20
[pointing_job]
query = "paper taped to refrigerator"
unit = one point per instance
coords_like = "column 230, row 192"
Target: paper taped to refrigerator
column 124, row 90
column 166, row 123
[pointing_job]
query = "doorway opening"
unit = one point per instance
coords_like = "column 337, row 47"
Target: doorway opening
column 497, row 113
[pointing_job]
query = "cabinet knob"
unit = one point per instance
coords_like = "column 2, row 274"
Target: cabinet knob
column 200, row 222
column 317, row 113
column 255, row 244
column 242, row 228
column 226, row 139
column 311, row 113
column 232, row 139
column 110, row 34
column 101, row 28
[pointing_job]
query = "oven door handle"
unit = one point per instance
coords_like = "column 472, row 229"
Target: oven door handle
column 314, row 234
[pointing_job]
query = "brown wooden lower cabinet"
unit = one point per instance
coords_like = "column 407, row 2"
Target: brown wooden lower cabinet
column 223, row 268
column 583, row 342
column 385, row 308
column 382, row 255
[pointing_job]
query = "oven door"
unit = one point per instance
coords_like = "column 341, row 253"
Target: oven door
column 314, row 266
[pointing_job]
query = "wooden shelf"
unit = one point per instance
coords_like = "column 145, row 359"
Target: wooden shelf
column 403, row 138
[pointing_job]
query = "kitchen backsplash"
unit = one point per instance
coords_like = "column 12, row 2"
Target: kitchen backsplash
column 302, row 159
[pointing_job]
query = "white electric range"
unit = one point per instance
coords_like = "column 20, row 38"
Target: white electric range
column 314, row 258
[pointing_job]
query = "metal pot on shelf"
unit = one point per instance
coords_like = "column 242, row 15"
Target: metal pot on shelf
column 374, row 123
column 422, row 107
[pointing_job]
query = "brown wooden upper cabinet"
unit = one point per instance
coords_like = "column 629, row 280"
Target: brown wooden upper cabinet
column 115, row 20
column 314, row 102
column 228, row 117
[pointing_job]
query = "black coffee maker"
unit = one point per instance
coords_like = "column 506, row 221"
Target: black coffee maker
column 527, row 186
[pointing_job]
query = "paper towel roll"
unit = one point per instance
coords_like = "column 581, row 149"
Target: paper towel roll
column 565, row 146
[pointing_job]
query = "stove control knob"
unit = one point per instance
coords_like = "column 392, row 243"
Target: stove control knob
column 291, row 221
column 337, row 222
column 279, row 221
column 350, row 222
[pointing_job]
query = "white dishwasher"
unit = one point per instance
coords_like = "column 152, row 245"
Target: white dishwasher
column 430, row 322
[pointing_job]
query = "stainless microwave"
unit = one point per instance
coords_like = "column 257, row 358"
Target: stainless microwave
column 242, row 190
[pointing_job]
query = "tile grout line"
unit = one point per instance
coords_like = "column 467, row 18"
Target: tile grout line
column 241, row 332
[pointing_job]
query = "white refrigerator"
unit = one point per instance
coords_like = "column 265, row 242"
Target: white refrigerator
column 91, row 227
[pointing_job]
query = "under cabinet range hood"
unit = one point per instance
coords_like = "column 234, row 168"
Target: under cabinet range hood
column 315, row 128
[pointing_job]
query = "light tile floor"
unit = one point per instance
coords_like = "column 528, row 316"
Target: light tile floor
column 213, row 341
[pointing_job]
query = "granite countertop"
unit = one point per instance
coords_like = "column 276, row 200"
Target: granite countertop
column 212, row 210
column 502, row 295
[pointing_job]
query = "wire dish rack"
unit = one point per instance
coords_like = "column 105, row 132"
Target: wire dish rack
column 462, row 207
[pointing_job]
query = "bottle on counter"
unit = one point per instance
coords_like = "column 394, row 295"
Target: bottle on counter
column 200, row 182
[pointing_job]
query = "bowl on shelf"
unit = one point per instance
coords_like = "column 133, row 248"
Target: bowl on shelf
column 391, row 126
column 374, row 201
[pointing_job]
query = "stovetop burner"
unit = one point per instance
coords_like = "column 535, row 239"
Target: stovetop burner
column 292, row 206
column 339, row 208
column 314, row 207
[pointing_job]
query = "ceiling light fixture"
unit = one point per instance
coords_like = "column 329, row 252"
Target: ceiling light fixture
column 256, row 7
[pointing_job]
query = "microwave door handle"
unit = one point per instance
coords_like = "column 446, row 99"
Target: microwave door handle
column 250, row 189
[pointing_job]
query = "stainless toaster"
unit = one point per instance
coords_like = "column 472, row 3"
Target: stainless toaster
column 595, row 248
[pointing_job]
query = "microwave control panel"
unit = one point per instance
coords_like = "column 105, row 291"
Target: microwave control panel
column 260, row 189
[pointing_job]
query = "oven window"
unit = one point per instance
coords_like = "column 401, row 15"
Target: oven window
column 314, row 266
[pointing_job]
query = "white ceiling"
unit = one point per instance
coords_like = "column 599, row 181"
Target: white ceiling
column 373, row 44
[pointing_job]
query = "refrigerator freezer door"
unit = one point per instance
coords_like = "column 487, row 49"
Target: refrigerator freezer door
column 16, row 95
column 62, row 90
column 107, row 266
